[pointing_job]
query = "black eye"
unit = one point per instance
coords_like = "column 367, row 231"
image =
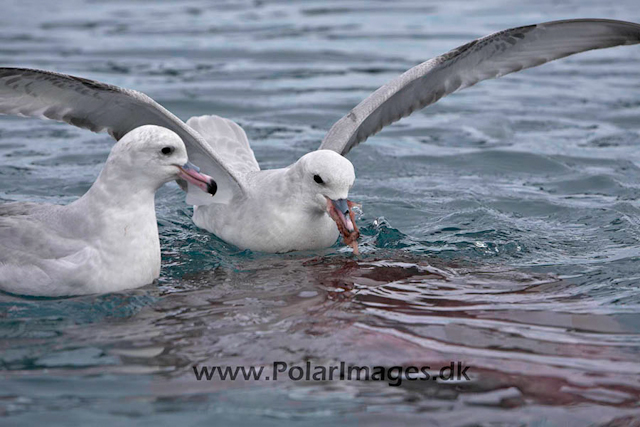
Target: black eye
column 317, row 179
column 167, row 150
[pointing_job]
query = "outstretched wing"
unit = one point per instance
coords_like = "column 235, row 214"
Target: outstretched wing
column 97, row 106
column 488, row 57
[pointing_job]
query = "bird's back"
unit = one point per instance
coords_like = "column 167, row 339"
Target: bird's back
column 34, row 252
column 228, row 140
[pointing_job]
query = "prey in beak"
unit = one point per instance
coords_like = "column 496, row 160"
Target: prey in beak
column 341, row 212
column 191, row 173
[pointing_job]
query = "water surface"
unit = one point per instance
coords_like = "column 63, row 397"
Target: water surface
column 501, row 226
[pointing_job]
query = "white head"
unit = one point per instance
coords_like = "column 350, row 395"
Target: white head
column 149, row 156
column 324, row 174
column 324, row 179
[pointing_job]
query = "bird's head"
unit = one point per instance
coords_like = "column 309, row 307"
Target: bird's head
column 149, row 156
column 325, row 178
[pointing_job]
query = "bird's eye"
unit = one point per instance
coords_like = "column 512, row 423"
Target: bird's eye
column 167, row 150
column 318, row 179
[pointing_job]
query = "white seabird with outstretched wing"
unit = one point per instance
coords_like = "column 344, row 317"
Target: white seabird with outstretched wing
column 298, row 207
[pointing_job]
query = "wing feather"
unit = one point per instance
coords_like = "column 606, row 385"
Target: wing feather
column 489, row 57
column 100, row 107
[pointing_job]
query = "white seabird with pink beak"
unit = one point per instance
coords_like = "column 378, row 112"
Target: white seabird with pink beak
column 286, row 209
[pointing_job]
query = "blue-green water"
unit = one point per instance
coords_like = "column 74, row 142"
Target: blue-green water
column 501, row 226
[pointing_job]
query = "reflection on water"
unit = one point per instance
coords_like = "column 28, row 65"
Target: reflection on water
column 500, row 227
column 530, row 340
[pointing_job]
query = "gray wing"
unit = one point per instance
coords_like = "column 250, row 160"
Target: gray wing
column 35, row 256
column 97, row 106
column 24, row 235
column 488, row 57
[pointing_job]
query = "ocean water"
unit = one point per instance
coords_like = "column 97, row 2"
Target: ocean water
column 501, row 226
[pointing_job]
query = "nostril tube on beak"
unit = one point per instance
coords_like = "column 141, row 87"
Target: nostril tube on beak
column 341, row 206
column 190, row 166
column 191, row 173
column 340, row 211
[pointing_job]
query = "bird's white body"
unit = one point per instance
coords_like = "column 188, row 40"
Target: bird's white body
column 284, row 210
column 105, row 241
column 272, row 217
column 279, row 210
column 89, row 246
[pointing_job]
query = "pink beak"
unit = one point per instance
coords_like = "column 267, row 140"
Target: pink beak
column 191, row 173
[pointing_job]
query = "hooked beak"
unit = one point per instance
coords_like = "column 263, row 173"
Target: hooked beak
column 191, row 173
column 340, row 211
